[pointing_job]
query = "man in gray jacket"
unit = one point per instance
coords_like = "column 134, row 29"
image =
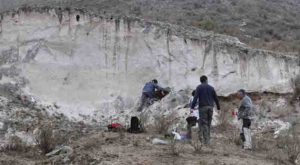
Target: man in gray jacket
column 245, row 113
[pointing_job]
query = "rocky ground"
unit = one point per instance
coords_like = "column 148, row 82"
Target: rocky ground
column 124, row 148
column 31, row 134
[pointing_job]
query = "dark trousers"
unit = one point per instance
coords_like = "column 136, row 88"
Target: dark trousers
column 205, row 119
column 146, row 97
column 246, row 124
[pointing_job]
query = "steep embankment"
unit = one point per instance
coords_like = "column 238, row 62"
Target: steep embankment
column 85, row 62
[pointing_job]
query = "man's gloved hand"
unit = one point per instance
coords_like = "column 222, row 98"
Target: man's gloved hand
column 218, row 108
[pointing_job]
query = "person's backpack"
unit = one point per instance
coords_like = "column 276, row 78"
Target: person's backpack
column 135, row 125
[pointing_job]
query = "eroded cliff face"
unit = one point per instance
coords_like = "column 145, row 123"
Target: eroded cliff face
column 84, row 62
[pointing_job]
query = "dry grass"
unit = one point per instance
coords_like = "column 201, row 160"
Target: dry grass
column 121, row 133
column 234, row 137
column 174, row 148
column 203, row 162
column 197, row 145
column 283, row 150
column 164, row 122
column 224, row 118
column 92, row 142
column 136, row 142
column 47, row 139
column 290, row 144
column 144, row 116
column 14, row 144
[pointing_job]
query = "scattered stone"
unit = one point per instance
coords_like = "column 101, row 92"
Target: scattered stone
column 64, row 150
column 56, row 106
column 3, row 126
column 159, row 141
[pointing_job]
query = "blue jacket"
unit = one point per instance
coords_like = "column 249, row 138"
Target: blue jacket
column 206, row 96
column 150, row 87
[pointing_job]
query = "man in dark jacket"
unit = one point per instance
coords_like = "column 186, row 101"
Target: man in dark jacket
column 149, row 92
column 206, row 97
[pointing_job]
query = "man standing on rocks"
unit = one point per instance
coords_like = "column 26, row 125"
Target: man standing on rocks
column 245, row 113
column 206, row 97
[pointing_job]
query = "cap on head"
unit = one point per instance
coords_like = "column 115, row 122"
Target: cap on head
column 154, row 81
column 203, row 79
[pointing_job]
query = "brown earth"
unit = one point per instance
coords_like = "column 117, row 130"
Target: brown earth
column 124, row 148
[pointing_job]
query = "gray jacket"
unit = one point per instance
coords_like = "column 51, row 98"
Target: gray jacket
column 246, row 108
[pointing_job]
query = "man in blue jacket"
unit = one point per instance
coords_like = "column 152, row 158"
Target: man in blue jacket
column 206, row 97
column 149, row 92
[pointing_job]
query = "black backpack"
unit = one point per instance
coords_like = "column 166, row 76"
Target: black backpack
column 135, row 125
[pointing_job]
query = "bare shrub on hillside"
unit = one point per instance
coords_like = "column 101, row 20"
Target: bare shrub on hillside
column 45, row 142
column 47, row 138
column 208, row 25
column 163, row 123
column 284, row 149
column 290, row 144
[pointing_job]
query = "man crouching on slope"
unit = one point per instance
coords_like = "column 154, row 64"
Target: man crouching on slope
column 148, row 94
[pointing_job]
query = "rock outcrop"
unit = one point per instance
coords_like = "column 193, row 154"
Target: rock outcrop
column 83, row 62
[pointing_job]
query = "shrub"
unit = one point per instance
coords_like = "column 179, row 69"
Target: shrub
column 208, row 25
column 285, row 149
column 45, row 140
column 163, row 123
column 290, row 144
